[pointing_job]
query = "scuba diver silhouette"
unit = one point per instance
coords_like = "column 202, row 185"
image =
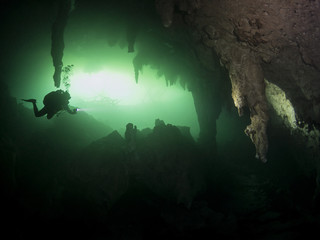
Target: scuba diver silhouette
column 54, row 102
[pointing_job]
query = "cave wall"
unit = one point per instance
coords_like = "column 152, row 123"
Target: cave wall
column 277, row 40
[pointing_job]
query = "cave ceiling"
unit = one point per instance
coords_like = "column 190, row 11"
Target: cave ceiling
column 282, row 36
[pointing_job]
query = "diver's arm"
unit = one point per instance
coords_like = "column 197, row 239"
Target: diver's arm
column 74, row 111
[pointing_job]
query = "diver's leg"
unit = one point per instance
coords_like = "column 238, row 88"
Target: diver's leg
column 30, row 100
column 37, row 113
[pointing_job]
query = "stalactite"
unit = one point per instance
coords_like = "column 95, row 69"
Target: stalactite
column 57, row 41
column 248, row 90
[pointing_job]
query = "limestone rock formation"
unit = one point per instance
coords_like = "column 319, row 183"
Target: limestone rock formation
column 277, row 40
column 170, row 164
column 57, row 45
column 165, row 160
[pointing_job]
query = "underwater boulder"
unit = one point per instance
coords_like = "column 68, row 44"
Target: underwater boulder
column 170, row 165
column 101, row 173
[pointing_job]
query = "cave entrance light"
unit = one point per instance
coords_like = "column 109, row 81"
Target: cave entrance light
column 113, row 97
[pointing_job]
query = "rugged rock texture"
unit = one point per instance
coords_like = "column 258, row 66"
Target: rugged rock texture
column 281, row 105
column 277, row 40
column 170, row 164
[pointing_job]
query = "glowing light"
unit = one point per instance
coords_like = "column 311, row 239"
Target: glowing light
column 120, row 89
column 115, row 98
column 106, row 86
